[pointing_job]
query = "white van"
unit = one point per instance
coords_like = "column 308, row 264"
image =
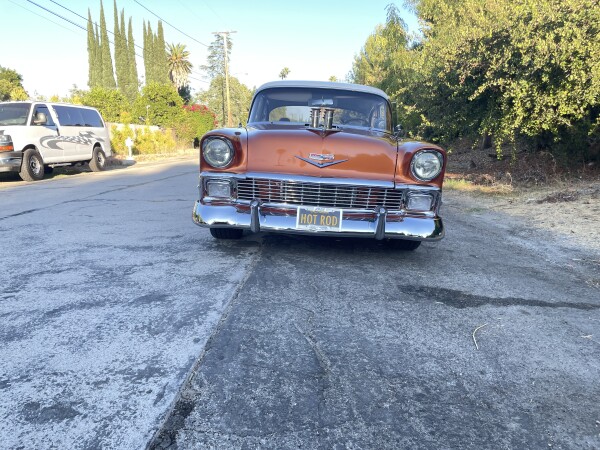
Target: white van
column 37, row 136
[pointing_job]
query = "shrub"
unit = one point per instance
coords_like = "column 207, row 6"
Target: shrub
column 195, row 121
column 110, row 102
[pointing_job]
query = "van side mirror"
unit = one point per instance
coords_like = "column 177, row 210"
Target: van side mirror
column 40, row 119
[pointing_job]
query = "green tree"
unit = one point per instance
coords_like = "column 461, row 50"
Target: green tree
column 121, row 62
column 158, row 104
column 94, row 57
column 132, row 88
column 160, row 57
column 11, row 85
column 215, row 61
column 284, row 73
column 509, row 68
column 240, row 95
column 108, row 77
column 110, row 102
column 179, row 65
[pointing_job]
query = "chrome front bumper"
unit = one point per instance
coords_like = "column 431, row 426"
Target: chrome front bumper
column 10, row 161
column 378, row 224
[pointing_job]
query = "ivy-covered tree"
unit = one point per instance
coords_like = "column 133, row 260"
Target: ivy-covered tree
column 508, row 68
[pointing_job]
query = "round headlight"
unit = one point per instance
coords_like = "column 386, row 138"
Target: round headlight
column 218, row 152
column 426, row 165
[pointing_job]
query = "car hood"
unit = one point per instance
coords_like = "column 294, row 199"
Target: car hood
column 349, row 153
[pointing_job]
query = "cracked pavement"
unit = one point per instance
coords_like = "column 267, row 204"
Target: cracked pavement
column 127, row 326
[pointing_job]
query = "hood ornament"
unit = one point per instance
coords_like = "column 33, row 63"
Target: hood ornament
column 321, row 160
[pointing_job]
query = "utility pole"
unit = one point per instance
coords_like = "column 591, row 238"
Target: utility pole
column 225, row 35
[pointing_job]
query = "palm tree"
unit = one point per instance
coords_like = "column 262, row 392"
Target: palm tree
column 284, row 73
column 179, row 65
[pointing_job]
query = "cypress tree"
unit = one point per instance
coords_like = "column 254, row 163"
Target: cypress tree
column 91, row 47
column 98, row 60
column 133, row 76
column 120, row 53
column 162, row 64
column 148, row 54
column 108, row 76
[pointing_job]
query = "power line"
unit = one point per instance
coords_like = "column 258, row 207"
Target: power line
column 57, row 15
column 39, row 15
column 172, row 26
column 84, row 28
column 95, row 23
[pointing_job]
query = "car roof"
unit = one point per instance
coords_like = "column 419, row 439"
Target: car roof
column 323, row 85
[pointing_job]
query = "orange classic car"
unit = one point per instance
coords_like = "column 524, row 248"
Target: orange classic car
column 320, row 158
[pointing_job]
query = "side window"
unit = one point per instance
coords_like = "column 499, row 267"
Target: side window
column 63, row 115
column 76, row 117
column 91, row 118
column 43, row 109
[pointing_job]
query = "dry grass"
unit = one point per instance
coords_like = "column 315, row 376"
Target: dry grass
column 182, row 153
column 464, row 185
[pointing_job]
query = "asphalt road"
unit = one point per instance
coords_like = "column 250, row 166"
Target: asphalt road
column 123, row 325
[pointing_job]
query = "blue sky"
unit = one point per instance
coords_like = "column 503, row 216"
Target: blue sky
column 315, row 39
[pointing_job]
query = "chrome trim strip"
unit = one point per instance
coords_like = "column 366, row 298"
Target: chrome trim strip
column 301, row 179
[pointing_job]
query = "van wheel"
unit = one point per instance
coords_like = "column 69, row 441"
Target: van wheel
column 32, row 166
column 98, row 161
column 226, row 233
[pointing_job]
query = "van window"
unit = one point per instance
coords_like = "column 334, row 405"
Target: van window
column 43, row 109
column 69, row 116
column 14, row 113
column 92, row 118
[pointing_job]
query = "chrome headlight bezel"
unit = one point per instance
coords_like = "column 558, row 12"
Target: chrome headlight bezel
column 424, row 157
column 218, row 151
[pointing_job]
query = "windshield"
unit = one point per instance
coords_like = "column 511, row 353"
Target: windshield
column 14, row 113
column 295, row 105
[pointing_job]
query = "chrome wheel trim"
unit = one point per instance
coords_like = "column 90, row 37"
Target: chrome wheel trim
column 35, row 165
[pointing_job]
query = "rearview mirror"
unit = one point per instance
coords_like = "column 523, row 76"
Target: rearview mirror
column 321, row 102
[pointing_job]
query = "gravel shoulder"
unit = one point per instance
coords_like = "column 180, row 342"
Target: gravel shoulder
column 569, row 211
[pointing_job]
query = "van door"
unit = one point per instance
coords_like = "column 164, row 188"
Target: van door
column 69, row 124
column 45, row 133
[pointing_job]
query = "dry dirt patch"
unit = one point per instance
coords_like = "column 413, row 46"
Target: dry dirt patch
column 548, row 198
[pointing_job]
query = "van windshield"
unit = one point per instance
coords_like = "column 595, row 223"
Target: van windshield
column 14, row 113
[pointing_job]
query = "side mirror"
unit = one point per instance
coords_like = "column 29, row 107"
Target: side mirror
column 399, row 132
column 40, row 119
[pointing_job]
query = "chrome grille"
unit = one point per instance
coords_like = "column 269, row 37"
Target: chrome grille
column 318, row 194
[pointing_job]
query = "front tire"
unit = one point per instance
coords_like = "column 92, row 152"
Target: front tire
column 98, row 161
column 32, row 166
column 226, row 233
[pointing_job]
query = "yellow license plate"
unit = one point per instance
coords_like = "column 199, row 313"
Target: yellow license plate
column 318, row 219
